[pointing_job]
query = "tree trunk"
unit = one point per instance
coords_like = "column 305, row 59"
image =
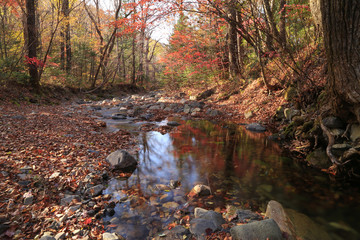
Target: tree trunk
column 32, row 42
column 341, row 26
column 232, row 45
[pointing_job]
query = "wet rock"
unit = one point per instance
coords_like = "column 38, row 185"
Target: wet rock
column 355, row 132
column 248, row 114
column 171, row 205
column 333, row 122
column 261, row 230
column 176, row 233
column 245, row 215
column 94, row 191
column 200, row 190
column 255, row 127
column 118, row 116
column 213, row 216
column 318, row 158
column 173, row 123
column 340, row 148
column 28, row 198
column 121, row 160
column 306, row 228
column 202, row 227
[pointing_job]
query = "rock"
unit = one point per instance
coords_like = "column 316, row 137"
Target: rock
column 155, row 107
column 171, row 205
column 340, row 148
column 192, row 98
column 118, row 116
column 255, row 127
column 261, row 230
column 187, row 108
column 248, row 114
column 333, row 122
column 355, row 132
column 290, row 113
column 68, row 199
column 121, row 160
column 162, row 187
column 318, row 158
column 205, row 94
column 195, row 110
column 275, row 211
column 47, row 236
column 213, row 112
column 202, row 227
column 173, row 123
column 54, row 175
column 174, row 184
column 26, row 169
column 200, row 190
column 247, row 215
column 215, row 217
column 296, row 225
column 94, row 191
column 176, row 233
column 110, row 236
column 28, row 198
column 305, row 228
column 337, row 132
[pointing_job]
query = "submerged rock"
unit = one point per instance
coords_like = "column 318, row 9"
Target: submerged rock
column 261, row 230
column 296, row 225
column 176, row 233
column 121, row 160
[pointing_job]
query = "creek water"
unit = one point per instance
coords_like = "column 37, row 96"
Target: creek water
column 242, row 168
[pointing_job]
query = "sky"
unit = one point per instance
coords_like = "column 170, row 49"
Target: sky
column 161, row 32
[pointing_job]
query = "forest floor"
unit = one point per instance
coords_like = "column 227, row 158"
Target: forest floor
column 49, row 146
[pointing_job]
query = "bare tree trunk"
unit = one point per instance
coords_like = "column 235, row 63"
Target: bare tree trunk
column 232, row 45
column 66, row 12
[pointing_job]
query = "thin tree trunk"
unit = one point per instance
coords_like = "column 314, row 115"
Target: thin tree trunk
column 32, row 42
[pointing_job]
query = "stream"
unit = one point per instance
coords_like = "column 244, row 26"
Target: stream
column 242, row 168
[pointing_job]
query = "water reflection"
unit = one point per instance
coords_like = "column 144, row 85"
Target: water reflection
column 242, row 168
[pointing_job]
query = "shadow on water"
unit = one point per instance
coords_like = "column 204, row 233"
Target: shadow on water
column 243, row 169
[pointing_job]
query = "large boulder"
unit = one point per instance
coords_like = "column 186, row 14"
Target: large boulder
column 121, row 160
column 261, row 230
column 275, row 211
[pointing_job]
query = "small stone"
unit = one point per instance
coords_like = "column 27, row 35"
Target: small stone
column 54, row 175
column 248, row 114
column 28, row 198
column 171, row 205
column 68, row 199
column 109, row 236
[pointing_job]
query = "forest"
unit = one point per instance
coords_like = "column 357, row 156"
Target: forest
column 146, row 119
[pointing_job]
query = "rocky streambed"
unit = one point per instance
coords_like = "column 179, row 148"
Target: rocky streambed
column 190, row 178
